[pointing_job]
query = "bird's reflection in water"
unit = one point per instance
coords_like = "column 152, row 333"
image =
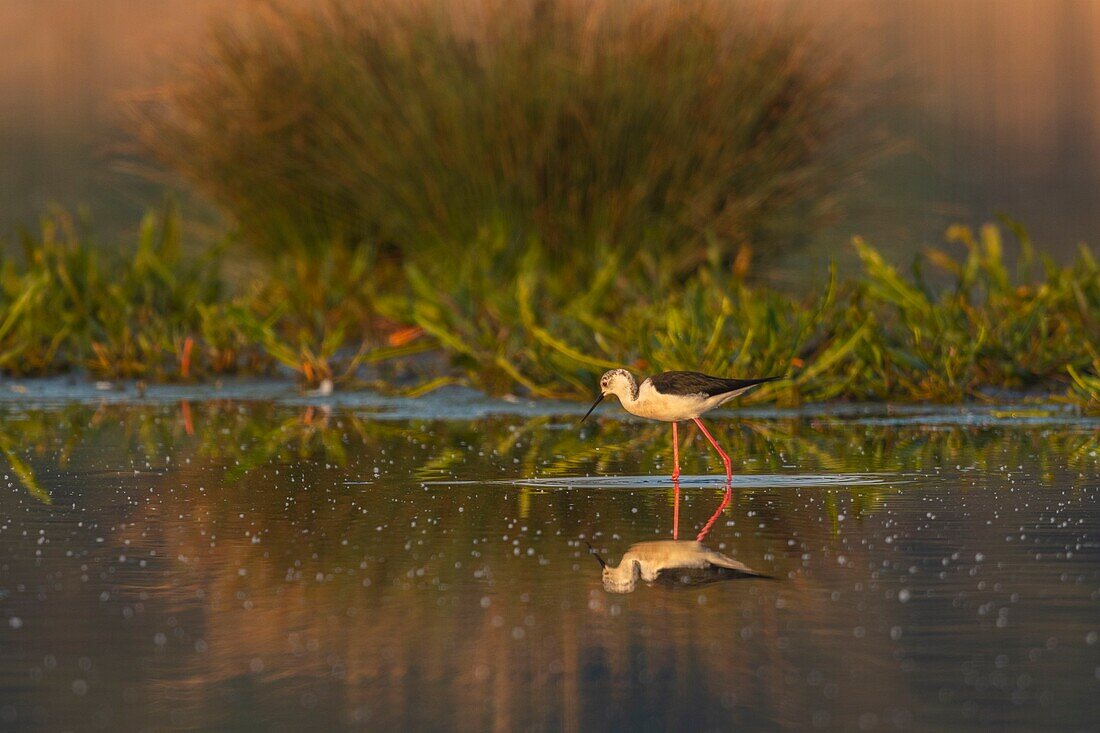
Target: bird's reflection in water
column 675, row 562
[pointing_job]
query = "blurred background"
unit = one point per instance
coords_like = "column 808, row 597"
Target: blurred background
column 996, row 107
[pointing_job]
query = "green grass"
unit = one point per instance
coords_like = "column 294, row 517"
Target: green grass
column 126, row 312
column 669, row 131
column 961, row 323
column 149, row 312
column 546, row 189
column 974, row 326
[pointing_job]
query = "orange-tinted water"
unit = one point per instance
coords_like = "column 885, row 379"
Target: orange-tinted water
column 243, row 565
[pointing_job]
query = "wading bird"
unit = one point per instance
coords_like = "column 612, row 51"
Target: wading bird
column 677, row 562
column 672, row 397
column 674, row 562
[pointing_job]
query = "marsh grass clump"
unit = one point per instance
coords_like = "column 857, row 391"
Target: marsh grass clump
column 977, row 325
column 667, row 129
column 318, row 315
column 1020, row 326
column 962, row 323
column 118, row 312
column 151, row 311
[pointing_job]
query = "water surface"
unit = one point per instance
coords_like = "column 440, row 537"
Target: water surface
column 260, row 562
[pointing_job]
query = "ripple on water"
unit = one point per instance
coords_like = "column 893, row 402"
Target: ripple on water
column 771, row 481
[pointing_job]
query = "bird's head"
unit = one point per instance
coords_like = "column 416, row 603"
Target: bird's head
column 618, row 382
column 623, row 578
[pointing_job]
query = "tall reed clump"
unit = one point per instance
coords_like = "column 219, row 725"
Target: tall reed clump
column 650, row 127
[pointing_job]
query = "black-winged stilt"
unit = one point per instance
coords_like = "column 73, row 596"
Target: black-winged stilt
column 684, row 562
column 672, row 397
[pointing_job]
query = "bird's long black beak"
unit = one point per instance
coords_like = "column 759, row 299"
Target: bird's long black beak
column 593, row 407
column 600, row 560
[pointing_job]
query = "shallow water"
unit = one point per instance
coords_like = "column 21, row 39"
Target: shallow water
column 392, row 565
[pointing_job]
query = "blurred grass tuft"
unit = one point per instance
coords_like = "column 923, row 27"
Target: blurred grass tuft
column 673, row 131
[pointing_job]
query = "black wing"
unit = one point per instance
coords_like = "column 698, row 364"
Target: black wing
column 689, row 577
column 687, row 383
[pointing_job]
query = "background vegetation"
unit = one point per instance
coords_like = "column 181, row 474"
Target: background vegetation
column 149, row 312
column 649, row 129
column 541, row 190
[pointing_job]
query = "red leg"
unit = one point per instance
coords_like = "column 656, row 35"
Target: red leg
column 675, row 453
column 714, row 517
column 725, row 458
column 675, row 509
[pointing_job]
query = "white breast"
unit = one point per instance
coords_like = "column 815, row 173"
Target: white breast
column 656, row 406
